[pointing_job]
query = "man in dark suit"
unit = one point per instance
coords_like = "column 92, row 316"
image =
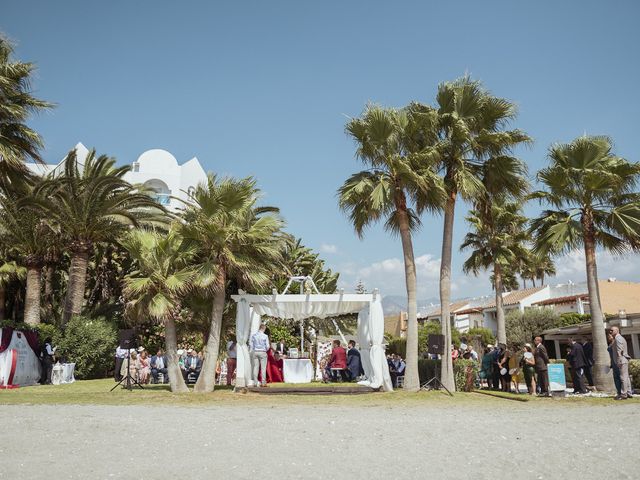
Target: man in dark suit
column 542, row 360
column 354, row 361
column 577, row 360
column 192, row 365
column 158, row 366
column 587, row 347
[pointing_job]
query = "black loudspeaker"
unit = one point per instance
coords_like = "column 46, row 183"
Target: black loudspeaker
column 436, row 344
column 127, row 338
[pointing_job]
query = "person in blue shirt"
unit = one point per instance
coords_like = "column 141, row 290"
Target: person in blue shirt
column 259, row 345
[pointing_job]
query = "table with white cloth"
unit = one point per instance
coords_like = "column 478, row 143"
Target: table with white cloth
column 63, row 373
column 297, row 370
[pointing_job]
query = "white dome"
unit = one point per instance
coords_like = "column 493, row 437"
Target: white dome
column 157, row 159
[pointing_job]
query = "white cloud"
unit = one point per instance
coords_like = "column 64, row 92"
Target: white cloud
column 328, row 248
column 572, row 267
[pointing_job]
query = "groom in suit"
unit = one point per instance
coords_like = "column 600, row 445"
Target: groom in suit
column 354, row 361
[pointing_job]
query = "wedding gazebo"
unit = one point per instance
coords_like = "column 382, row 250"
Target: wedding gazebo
column 370, row 331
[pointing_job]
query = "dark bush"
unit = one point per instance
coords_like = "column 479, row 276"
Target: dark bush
column 90, row 344
column 634, row 371
column 398, row 346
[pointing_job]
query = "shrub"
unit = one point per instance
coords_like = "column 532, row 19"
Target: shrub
column 634, row 371
column 464, row 374
column 572, row 318
column 90, row 343
column 523, row 327
column 485, row 334
column 398, row 346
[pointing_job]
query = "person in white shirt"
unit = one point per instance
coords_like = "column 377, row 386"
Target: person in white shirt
column 47, row 361
column 259, row 346
column 121, row 355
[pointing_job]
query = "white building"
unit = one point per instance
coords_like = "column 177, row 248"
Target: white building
column 156, row 169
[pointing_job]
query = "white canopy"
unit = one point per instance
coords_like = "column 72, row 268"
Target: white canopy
column 298, row 307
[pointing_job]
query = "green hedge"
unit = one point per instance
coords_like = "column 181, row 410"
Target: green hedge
column 89, row 343
column 634, row 371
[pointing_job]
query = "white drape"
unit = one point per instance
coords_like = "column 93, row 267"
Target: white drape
column 378, row 360
column 307, row 307
column 243, row 327
column 364, row 340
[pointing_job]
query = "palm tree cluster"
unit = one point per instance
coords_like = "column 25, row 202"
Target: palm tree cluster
column 101, row 245
column 424, row 158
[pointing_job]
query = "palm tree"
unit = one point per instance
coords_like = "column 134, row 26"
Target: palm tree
column 543, row 266
column 497, row 237
column 392, row 189
column 24, row 231
column 593, row 201
column 471, row 131
column 236, row 240
column 92, row 203
column 163, row 276
column 9, row 271
column 17, row 141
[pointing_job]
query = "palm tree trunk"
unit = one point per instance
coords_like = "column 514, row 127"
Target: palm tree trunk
column 207, row 379
column 497, row 278
column 32, row 295
column 48, row 290
column 77, row 281
column 533, row 281
column 542, row 279
column 446, row 376
column 176, row 381
column 602, row 377
column 411, row 378
column 3, row 299
column 524, row 283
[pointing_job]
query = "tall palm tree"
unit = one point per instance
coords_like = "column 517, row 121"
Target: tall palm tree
column 236, row 240
column 25, row 232
column 17, row 141
column 164, row 274
column 92, row 203
column 594, row 204
column 471, row 131
column 497, row 237
column 392, row 189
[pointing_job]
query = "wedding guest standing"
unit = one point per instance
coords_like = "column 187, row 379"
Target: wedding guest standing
column 614, row 366
column 542, row 360
column 354, row 361
column 47, row 361
column 528, row 364
column 621, row 358
column 121, row 355
column 259, row 347
column 232, row 360
column 577, row 360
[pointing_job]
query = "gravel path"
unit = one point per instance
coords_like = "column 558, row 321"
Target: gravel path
column 507, row 440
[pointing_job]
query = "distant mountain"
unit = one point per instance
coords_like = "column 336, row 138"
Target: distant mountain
column 394, row 304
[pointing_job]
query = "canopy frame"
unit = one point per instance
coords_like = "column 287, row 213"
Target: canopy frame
column 370, row 330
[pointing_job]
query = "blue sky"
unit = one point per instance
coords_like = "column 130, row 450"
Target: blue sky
column 263, row 88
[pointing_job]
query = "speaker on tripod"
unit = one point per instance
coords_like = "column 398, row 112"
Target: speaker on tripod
column 435, row 344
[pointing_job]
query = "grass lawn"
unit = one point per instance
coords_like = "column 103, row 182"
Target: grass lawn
column 96, row 392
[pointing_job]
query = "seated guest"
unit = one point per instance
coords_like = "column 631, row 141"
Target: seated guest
column 158, row 366
column 354, row 361
column 192, row 365
column 400, row 366
column 144, row 370
column 338, row 362
column 133, row 366
column 392, row 370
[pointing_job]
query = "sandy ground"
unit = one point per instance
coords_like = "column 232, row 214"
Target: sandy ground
column 505, row 440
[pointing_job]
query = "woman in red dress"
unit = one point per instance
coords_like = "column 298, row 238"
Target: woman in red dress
column 274, row 367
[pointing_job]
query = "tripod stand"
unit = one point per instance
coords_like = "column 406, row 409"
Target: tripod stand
column 128, row 380
column 434, row 384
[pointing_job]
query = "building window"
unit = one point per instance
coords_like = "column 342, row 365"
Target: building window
column 191, row 191
column 135, row 167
